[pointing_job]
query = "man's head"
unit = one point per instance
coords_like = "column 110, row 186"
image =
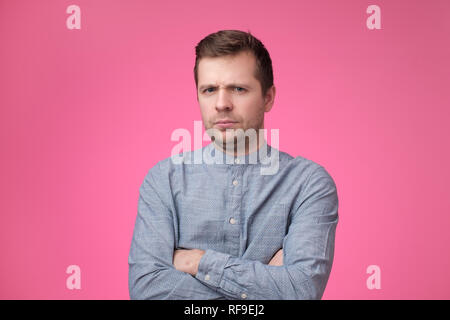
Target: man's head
column 234, row 80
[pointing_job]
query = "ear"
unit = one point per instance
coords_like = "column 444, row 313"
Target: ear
column 269, row 98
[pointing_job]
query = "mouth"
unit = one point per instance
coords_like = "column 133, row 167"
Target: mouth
column 225, row 123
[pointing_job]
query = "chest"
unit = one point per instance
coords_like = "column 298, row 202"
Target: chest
column 233, row 216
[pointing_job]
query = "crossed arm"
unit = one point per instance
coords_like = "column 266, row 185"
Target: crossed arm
column 187, row 260
column 299, row 271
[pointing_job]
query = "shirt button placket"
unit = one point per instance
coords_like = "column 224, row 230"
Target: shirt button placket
column 236, row 210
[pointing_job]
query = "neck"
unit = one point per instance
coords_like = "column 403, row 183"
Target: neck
column 238, row 150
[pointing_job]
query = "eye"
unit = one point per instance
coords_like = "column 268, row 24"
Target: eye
column 208, row 90
column 239, row 89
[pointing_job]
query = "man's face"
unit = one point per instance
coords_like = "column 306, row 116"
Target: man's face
column 230, row 96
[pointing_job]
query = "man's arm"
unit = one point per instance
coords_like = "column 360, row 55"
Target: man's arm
column 151, row 272
column 187, row 260
column 308, row 251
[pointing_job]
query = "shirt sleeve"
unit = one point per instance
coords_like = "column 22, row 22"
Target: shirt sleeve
column 151, row 271
column 308, row 251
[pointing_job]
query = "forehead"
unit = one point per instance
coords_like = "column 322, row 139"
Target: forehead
column 227, row 69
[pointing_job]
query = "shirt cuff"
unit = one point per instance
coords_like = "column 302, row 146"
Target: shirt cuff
column 211, row 267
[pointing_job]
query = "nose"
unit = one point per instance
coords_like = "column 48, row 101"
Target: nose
column 223, row 102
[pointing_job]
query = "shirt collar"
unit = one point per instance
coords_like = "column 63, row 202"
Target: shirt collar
column 254, row 157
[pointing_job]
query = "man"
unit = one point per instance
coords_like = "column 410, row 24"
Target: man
column 223, row 230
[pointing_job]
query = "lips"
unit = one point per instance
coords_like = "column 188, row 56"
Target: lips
column 226, row 123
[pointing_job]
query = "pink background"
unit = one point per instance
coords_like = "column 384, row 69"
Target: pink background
column 86, row 113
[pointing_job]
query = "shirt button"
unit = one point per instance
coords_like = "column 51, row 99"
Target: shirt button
column 207, row 277
column 243, row 296
column 233, row 221
column 237, row 160
column 235, row 182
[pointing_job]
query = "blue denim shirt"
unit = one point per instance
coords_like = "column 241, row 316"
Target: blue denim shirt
column 241, row 218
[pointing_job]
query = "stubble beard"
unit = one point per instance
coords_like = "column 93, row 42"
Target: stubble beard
column 233, row 140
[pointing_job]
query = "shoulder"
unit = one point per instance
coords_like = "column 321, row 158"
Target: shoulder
column 172, row 167
column 158, row 172
column 318, row 183
column 297, row 165
column 312, row 174
column 317, row 186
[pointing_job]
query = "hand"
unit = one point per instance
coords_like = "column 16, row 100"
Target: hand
column 187, row 260
column 277, row 259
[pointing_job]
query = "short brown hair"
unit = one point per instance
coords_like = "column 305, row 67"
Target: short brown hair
column 232, row 42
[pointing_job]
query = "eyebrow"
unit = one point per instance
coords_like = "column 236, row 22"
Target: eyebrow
column 231, row 85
